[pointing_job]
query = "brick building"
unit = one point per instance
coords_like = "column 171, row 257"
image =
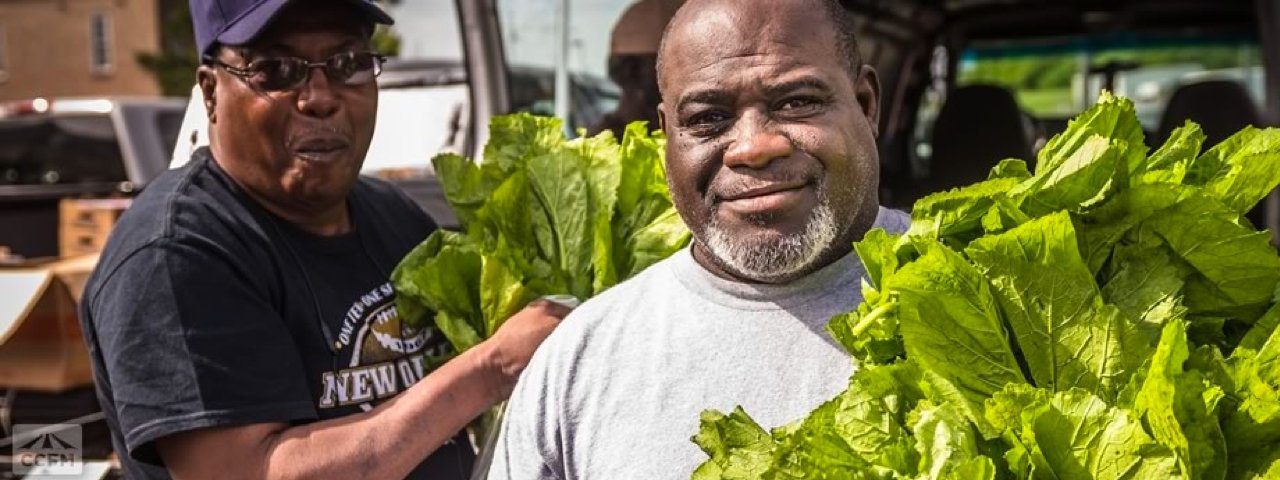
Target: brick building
column 76, row 48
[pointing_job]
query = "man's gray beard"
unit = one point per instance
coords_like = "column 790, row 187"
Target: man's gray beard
column 774, row 260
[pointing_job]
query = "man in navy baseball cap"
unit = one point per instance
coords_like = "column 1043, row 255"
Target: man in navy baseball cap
column 241, row 320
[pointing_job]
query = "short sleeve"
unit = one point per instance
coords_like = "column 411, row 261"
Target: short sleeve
column 187, row 338
column 529, row 444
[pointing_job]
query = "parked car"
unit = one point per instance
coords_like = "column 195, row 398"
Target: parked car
column 76, row 148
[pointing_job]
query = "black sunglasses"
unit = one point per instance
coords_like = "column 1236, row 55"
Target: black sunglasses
column 286, row 73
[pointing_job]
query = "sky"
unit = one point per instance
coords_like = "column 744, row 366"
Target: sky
column 429, row 29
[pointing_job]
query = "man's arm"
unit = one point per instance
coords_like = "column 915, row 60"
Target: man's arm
column 386, row 442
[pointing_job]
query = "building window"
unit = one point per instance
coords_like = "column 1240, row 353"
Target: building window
column 100, row 42
column 4, row 54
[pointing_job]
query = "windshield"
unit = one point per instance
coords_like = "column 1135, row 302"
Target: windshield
column 1057, row 80
column 53, row 150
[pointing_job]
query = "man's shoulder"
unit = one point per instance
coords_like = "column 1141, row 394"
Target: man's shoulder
column 892, row 221
column 611, row 310
column 632, row 291
column 191, row 199
column 184, row 210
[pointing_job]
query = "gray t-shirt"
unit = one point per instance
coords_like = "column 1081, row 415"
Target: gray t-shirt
column 616, row 391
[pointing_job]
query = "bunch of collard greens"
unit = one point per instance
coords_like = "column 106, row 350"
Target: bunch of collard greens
column 1112, row 316
column 542, row 216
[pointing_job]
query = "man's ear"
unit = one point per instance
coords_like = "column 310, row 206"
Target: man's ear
column 207, row 79
column 662, row 118
column 867, row 90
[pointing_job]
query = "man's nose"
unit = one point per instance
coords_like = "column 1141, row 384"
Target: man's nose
column 316, row 96
column 756, row 142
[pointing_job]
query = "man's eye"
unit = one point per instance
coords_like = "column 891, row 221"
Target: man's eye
column 706, row 119
column 797, row 103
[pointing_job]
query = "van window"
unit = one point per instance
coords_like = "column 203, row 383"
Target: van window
column 1060, row 80
column 1055, row 80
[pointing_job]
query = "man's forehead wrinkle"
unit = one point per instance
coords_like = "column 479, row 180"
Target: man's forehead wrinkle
column 761, row 75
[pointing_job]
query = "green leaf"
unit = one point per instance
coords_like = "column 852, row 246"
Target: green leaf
column 1092, row 173
column 466, row 189
column 664, row 236
column 1263, row 329
column 1171, row 401
column 440, row 275
column 643, row 177
column 514, row 139
column 1101, row 229
column 1076, row 435
column 862, row 432
column 951, row 324
column 1142, row 277
column 502, row 294
column 955, row 216
column 879, row 254
column 1242, row 169
column 870, row 333
column 1169, row 164
column 561, row 218
column 603, row 172
column 1251, row 421
column 1237, row 267
column 460, row 331
column 646, row 223
column 738, row 447
column 504, row 225
column 1067, row 335
column 948, row 444
column 1010, row 168
column 1269, row 467
column 1111, row 118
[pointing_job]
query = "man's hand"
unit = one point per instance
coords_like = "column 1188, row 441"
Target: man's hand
column 508, row 351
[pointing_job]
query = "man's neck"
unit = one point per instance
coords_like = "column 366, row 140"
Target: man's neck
column 328, row 223
column 324, row 221
column 710, row 263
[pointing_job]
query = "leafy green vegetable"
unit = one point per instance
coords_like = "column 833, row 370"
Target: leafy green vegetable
column 1110, row 316
column 542, row 215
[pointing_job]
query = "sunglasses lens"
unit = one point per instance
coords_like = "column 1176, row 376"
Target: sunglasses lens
column 277, row 73
column 285, row 73
column 353, row 68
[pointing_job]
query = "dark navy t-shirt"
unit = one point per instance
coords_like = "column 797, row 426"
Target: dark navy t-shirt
column 205, row 310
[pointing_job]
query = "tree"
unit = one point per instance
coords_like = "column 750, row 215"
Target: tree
column 386, row 41
column 174, row 66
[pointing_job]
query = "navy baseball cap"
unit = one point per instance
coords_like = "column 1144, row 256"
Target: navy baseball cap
column 237, row 22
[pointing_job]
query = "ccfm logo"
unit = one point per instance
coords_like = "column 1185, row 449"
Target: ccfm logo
column 48, row 449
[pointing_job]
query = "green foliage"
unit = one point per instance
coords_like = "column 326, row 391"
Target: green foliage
column 1111, row 316
column 542, row 216
column 386, row 41
column 174, row 66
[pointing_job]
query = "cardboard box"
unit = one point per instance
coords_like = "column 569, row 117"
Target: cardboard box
column 41, row 347
column 84, row 224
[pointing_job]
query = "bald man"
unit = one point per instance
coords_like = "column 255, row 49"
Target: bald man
column 771, row 124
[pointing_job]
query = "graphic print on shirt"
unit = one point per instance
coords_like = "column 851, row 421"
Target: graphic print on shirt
column 379, row 356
